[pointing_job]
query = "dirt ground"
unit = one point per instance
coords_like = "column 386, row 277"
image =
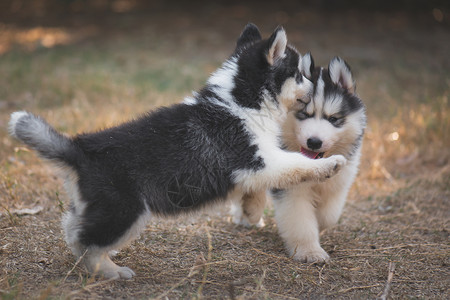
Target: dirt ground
column 85, row 65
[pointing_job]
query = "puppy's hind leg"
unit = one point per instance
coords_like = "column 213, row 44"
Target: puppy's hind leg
column 97, row 257
column 250, row 209
column 94, row 231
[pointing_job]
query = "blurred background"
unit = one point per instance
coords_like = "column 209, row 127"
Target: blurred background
column 88, row 64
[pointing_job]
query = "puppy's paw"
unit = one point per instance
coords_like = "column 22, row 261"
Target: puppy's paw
column 125, row 273
column 312, row 255
column 339, row 162
column 331, row 166
column 254, row 218
column 260, row 223
column 243, row 221
column 101, row 264
column 118, row 273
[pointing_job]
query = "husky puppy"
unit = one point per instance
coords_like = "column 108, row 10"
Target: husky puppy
column 220, row 142
column 331, row 123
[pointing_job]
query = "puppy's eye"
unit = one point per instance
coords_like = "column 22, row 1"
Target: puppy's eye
column 333, row 120
column 336, row 121
column 302, row 101
column 301, row 115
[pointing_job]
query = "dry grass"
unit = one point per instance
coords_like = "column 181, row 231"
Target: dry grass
column 99, row 73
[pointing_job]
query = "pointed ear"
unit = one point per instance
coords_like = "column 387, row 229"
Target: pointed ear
column 277, row 46
column 340, row 74
column 249, row 35
column 306, row 65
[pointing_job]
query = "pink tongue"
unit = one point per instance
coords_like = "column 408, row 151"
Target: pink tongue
column 309, row 153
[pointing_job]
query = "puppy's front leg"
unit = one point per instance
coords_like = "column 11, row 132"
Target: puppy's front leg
column 298, row 226
column 284, row 169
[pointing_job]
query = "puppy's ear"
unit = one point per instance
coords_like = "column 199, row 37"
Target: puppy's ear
column 277, row 46
column 306, row 65
column 341, row 75
column 249, row 35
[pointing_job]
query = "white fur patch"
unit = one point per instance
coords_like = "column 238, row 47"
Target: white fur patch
column 190, row 101
column 15, row 117
column 317, row 128
column 332, row 105
column 319, row 96
column 222, row 80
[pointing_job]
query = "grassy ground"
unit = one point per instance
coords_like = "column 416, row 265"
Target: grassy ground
column 87, row 69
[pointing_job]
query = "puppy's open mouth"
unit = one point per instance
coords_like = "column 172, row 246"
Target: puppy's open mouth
column 311, row 154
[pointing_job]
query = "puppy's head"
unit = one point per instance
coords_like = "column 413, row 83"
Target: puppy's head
column 333, row 120
column 268, row 68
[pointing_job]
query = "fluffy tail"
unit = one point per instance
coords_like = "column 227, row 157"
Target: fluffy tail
column 43, row 138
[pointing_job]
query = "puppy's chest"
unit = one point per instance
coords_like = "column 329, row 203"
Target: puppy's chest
column 330, row 187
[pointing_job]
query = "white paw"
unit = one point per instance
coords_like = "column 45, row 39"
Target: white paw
column 101, row 264
column 243, row 221
column 261, row 223
column 332, row 165
column 125, row 273
column 312, row 255
column 118, row 273
column 340, row 161
column 240, row 220
column 255, row 218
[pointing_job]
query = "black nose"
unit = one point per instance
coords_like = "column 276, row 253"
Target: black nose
column 314, row 143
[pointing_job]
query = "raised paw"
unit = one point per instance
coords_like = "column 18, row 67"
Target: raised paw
column 340, row 161
column 331, row 166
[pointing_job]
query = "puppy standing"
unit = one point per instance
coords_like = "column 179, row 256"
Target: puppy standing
column 331, row 123
column 220, row 143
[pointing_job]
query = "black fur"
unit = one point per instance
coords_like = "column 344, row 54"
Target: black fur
column 249, row 35
column 255, row 73
column 175, row 159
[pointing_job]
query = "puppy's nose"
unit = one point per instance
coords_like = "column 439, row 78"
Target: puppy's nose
column 314, row 143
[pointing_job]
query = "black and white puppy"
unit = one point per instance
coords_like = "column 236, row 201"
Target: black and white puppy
column 220, row 143
column 331, row 123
